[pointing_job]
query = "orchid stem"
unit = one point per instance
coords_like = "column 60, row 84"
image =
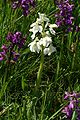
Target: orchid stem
column 39, row 74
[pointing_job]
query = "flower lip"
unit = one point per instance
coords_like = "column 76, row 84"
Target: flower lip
column 2, row 56
column 4, row 48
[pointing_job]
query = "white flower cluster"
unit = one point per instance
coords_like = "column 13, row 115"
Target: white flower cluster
column 42, row 28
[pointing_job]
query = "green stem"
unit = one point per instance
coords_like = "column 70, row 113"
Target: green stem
column 40, row 70
column 43, row 105
column 73, row 64
column 59, row 60
column 74, row 55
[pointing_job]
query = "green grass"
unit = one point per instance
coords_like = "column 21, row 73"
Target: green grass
column 61, row 70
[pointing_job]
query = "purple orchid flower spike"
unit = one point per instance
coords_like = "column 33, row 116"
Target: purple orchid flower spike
column 73, row 104
column 64, row 16
column 16, row 40
column 24, row 4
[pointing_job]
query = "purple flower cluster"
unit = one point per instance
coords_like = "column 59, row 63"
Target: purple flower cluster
column 16, row 39
column 16, row 42
column 24, row 4
column 64, row 16
column 73, row 105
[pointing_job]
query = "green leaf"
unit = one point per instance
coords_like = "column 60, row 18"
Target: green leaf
column 74, row 116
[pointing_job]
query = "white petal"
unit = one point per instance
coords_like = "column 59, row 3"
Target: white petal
column 46, row 51
column 33, row 36
column 34, row 30
column 41, row 41
column 43, row 17
column 33, row 46
column 52, row 31
column 47, row 33
column 40, row 29
column 45, row 41
column 51, row 49
column 53, row 26
column 39, row 21
column 31, row 30
column 33, row 24
column 39, row 46
column 46, row 25
column 36, row 39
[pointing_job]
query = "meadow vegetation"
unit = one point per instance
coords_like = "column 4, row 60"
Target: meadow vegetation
column 40, row 60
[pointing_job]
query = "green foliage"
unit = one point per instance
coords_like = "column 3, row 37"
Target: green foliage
column 61, row 71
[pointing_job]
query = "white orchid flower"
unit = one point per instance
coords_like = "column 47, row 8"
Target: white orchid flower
column 46, row 51
column 42, row 17
column 52, row 31
column 51, row 26
column 35, row 29
column 33, row 46
column 41, row 25
column 49, row 50
column 45, row 41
